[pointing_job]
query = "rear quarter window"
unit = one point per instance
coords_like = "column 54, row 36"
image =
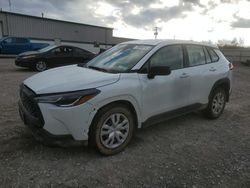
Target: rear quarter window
column 213, row 55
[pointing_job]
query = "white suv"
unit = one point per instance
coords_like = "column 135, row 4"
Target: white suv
column 131, row 85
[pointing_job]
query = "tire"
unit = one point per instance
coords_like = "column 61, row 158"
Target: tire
column 216, row 103
column 40, row 66
column 106, row 135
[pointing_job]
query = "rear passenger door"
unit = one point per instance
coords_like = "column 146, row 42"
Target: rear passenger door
column 201, row 71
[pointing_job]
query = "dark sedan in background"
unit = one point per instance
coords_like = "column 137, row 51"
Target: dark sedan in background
column 53, row 56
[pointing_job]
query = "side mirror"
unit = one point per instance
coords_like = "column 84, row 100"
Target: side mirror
column 158, row 70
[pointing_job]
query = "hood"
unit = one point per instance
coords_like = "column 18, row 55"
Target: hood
column 69, row 78
column 29, row 53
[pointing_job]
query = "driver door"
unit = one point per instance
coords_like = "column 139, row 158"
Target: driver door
column 58, row 57
column 165, row 93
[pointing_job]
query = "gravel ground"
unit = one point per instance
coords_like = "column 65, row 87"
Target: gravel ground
column 189, row 151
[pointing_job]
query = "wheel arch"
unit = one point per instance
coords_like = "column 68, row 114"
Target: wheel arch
column 224, row 83
column 128, row 101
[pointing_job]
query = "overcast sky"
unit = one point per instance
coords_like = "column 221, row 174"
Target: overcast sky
column 180, row 19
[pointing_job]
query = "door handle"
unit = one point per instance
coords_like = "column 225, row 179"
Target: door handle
column 212, row 69
column 184, row 75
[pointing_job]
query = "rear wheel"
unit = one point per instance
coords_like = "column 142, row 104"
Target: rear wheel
column 112, row 129
column 216, row 103
column 40, row 66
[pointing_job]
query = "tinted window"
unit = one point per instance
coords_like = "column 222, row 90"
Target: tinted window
column 68, row 50
column 62, row 50
column 208, row 59
column 170, row 56
column 57, row 50
column 195, row 55
column 21, row 40
column 81, row 51
column 213, row 55
column 9, row 40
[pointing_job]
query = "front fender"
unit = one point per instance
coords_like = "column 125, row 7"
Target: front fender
column 127, row 98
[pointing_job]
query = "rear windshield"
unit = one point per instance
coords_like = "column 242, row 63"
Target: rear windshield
column 47, row 48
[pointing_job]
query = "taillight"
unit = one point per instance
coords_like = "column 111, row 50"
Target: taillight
column 231, row 66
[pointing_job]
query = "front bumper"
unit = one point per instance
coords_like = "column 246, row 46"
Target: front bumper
column 24, row 62
column 40, row 134
column 53, row 124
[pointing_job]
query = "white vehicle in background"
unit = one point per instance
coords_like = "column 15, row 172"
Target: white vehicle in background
column 129, row 86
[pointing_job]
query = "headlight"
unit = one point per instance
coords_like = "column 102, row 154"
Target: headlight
column 68, row 99
column 28, row 57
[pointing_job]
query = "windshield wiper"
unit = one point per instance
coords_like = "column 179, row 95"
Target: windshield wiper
column 81, row 64
column 98, row 68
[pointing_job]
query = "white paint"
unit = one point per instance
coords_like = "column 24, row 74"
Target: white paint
column 149, row 97
column 58, row 79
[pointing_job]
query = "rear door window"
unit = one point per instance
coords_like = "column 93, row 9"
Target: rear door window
column 196, row 55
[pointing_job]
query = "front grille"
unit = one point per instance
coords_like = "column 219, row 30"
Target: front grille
column 27, row 99
column 29, row 104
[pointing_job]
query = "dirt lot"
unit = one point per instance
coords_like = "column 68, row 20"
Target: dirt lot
column 189, row 151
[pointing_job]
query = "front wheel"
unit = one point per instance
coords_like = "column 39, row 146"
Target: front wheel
column 216, row 103
column 40, row 66
column 112, row 129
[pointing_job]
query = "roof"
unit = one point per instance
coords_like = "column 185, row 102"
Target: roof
column 51, row 19
column 167, row 42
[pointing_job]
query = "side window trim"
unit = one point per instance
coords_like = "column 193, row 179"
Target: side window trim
column 204, row 54
column 185, row 56
column 205, row 50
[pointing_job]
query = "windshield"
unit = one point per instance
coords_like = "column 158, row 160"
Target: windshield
column 1, row 39
column 47, row 48
column 120, row 58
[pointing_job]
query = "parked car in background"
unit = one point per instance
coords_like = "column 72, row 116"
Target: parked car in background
column 17, row 45
column 129, row 86
column 53, row 56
